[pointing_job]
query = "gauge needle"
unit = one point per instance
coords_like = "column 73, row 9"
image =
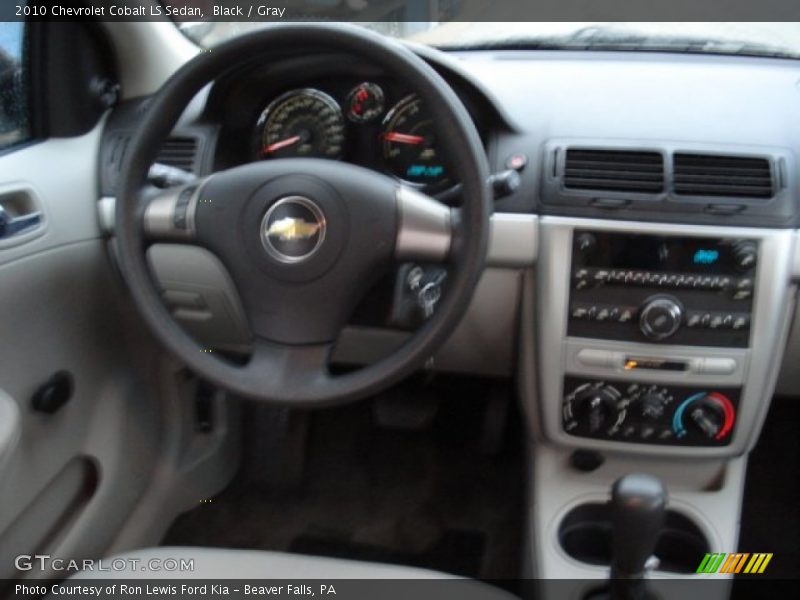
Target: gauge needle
column 282, row 144
column 403, row 138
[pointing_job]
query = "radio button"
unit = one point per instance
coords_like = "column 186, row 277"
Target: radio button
column 717, row 366
column 625, row 315
column 590, row 357
column 579, row 312
column 741, row 322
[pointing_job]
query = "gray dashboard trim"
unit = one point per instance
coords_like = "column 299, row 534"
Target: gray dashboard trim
column 513, row 240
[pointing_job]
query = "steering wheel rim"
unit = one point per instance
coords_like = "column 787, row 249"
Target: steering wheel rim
column 296, row 374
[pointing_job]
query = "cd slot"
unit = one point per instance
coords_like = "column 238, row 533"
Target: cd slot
column 622, row 362
column 654, row 364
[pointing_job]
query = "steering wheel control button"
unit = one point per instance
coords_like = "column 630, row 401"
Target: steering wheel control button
column 293, row 229
column 182, row 207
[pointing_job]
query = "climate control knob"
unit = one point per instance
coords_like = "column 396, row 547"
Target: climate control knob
column 592, row 409
column 708, row 414
column 652, row 405
column 660, row 317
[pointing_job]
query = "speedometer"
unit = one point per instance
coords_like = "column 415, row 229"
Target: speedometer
column 302, row 123
column 409, row 144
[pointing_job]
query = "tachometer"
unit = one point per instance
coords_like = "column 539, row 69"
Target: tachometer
column 302, row 123
column 409, row 144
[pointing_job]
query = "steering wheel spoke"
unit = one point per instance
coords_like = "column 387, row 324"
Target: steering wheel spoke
column 169, row 214
column 424, row 227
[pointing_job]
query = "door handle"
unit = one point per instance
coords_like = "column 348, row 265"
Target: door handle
column 10, row 226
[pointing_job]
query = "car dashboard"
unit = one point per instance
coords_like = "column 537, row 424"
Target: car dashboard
column 641, row 277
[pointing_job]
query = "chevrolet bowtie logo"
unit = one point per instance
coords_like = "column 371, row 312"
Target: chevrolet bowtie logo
column 290, row 229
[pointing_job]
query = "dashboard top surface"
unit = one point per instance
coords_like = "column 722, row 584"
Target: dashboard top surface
column 525, row 101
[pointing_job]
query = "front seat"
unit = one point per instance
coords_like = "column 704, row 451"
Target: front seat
column 252, row 565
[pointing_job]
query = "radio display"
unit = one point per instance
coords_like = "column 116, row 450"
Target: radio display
column 677, row 254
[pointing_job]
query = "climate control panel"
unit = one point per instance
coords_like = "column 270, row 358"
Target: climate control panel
column 649, row 413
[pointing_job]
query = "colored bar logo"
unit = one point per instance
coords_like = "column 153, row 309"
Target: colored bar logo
column 739, row 562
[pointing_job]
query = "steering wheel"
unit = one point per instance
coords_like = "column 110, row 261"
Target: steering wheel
column 303, row 239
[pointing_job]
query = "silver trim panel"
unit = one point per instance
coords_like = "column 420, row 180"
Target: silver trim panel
column 513, row 240
column 159, row 215
column 757, row 367
column 424, row 228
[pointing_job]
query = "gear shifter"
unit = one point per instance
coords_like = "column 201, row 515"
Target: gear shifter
column 638, row 504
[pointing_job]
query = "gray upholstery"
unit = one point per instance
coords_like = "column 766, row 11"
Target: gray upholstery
column 214, row 563
column 254, row 565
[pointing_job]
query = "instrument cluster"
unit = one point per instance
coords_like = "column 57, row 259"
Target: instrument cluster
column 365, row 123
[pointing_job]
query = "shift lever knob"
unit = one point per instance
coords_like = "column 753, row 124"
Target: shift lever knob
column 638, row 504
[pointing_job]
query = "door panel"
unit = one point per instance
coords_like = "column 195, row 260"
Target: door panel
column 71, row 478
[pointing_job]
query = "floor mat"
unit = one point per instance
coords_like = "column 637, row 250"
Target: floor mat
column 427, row 498
column 771, row 508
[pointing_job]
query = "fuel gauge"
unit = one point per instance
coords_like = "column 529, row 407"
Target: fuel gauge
column 364, row 103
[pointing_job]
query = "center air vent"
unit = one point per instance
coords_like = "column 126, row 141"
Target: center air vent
column 179, row 152
column 614, row 170
column 719, row 175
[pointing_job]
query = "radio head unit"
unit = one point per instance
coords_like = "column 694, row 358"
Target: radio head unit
column 695, row 291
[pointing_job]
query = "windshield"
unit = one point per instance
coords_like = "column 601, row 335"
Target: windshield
column 752, row 39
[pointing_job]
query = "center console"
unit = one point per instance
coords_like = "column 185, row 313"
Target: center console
column 654, row 347
column 660, row 289
column 661, row 339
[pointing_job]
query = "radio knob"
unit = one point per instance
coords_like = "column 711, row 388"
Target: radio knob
column 660, row 317
column 745, row 254
column 586, row 242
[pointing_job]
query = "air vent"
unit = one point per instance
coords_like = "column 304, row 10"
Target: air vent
column 715, row 175
column 614, row 170
column 179, row 152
